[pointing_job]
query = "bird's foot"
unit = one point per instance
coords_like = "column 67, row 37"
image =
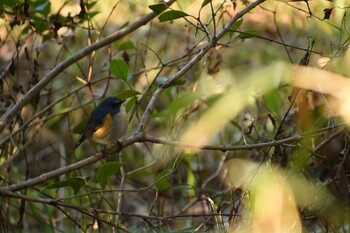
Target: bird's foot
column 116, row 142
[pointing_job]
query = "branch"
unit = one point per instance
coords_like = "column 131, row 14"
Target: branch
column 88, row 211
column 130, row 141
column 138, row 136
column 72, row 167
column 212, row 43
column 6, row 118
column 225, row 148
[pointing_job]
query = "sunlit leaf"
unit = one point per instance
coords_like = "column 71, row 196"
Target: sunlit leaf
column 120, row 69
column 171, row 15
column 233, row 102
column 75, row 183
column 107, row 170
column 265, row 184
column 336, row 85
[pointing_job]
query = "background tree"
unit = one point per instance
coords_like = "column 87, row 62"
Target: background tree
column 238, row 116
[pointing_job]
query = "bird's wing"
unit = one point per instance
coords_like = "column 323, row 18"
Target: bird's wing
column 89, row 130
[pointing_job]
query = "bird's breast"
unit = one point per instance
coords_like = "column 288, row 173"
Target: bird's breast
column 112, row 128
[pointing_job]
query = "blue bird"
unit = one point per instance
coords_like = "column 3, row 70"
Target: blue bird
column 107, row 122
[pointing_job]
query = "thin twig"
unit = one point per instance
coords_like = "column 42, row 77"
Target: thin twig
column 212, row 43
column 138, row 136
column 130, row 141
column 7, row 117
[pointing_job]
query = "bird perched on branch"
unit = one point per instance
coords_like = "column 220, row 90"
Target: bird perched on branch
column 108, row 122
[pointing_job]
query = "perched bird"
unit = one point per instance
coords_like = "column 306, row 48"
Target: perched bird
column 107, row 122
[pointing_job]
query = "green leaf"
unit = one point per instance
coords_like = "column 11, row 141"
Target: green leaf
column 158, row 8
column 75, row 183
column 44, row 8
column 248, row 34
column 130, row 104
column 36, row 3
column 161, row 180
column 272, row 100
column 126, row 45
column 93, row 14
column 91, row 4
column 161, row 80
column 183, row 101
column 106, row 170
column 178, row 82
column 10, row 3
column 40, row 24
column 205, row 2
column 171, row 15
column 120, row 69
column 124, row 25
column 127, row 94
column 234, row 27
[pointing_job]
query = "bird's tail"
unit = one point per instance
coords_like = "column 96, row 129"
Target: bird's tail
column 80, row 141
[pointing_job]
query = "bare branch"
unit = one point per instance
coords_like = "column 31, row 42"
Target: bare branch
column 212, row 43
column 137, row 138
column 7, row 117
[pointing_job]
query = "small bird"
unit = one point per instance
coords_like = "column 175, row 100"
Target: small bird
column 107, row 122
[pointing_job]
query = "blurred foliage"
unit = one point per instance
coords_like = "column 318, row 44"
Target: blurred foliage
column 245, row 92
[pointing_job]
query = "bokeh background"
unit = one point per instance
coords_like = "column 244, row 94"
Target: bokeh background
column 253, row 138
